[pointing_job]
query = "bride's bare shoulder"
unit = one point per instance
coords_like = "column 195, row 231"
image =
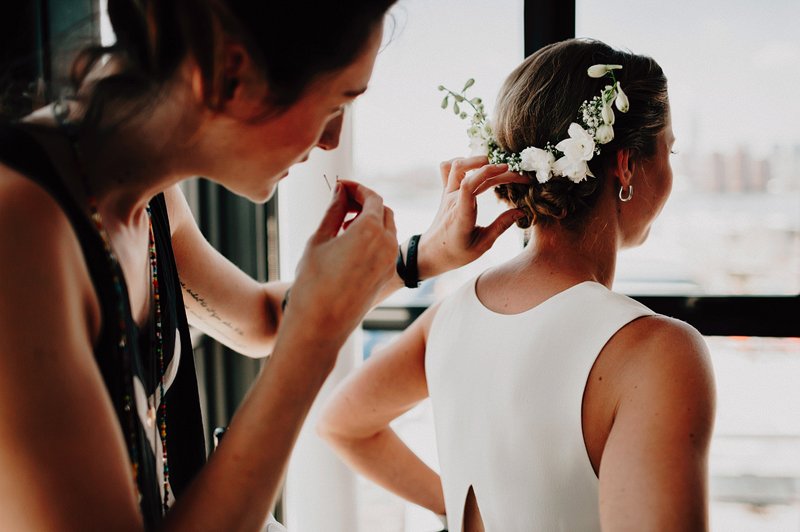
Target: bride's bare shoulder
column 665, row 352
column 659, row 334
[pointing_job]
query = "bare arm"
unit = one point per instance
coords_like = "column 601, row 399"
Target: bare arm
column 221, row 300
column 345, row 270
column 356, row 421
column 653, row 473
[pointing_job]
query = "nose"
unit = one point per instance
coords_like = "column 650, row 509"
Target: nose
column 330, row 135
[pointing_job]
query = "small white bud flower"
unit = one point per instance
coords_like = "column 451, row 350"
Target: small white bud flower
column 621, row 101
column 598, row 71
column 608, row 115
column 604, row 134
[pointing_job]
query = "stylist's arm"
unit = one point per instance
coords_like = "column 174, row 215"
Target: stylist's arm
column 338, row 278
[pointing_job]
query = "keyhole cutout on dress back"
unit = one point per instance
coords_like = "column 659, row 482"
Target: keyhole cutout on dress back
column 473, row 522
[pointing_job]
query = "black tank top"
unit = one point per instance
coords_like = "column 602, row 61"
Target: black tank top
column 185, row 435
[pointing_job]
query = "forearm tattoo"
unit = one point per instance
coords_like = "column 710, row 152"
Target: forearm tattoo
column 210, row 316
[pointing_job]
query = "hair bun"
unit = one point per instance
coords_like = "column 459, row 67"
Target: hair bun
column 558, row 199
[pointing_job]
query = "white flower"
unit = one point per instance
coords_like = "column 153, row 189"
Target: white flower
column 575, row 171
column 537, row 160
column 604, row 134
column 579, row 146
column 598, row 71
column 608, row 115
column 622, row 102
column 577, row 149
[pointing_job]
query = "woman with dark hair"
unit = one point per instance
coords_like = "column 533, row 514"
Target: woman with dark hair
column 558, row 404
column 100, row 423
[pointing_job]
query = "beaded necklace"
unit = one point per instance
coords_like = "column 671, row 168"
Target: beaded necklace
column 162, row 407
column 60, row 112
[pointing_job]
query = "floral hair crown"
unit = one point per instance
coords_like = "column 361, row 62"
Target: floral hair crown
column 569, row 158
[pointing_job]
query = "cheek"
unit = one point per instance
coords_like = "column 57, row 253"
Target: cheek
column 298, row 131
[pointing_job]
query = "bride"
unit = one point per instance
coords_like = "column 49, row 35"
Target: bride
column 558, row 403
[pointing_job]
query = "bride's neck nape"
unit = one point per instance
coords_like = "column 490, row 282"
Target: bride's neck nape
column 588, row 253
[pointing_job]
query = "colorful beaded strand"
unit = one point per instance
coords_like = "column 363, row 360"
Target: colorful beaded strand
column 162, row 408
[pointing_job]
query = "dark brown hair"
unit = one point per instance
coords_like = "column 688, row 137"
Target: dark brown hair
column 542, row 97
column 292, row 42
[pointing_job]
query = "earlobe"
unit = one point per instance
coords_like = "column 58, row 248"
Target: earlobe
column 198, row 90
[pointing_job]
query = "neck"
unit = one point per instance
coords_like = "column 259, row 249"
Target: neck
column 586, row 254
column 124, row 171
column 125, row 168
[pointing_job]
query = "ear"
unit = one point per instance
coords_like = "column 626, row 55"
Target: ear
column 233, row 70
column 623, row 167
column 241, row 88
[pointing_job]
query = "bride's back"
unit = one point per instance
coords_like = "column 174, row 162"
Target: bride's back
column 507, row 394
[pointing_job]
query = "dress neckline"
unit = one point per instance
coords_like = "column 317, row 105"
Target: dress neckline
column 558, row 295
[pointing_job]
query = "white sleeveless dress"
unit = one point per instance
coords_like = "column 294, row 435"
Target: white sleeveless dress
column 507, row 392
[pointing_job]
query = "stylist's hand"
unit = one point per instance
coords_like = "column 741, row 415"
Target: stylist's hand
column 454, row 239
column 344, row 265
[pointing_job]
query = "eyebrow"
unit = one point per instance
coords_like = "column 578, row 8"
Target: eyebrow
column 354, row 93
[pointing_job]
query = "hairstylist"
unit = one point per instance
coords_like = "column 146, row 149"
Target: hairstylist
column 99, row 414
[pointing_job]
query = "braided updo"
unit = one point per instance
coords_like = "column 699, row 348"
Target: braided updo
column 542, row 97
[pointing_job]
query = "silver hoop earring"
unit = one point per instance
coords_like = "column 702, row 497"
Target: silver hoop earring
column 628, row 197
